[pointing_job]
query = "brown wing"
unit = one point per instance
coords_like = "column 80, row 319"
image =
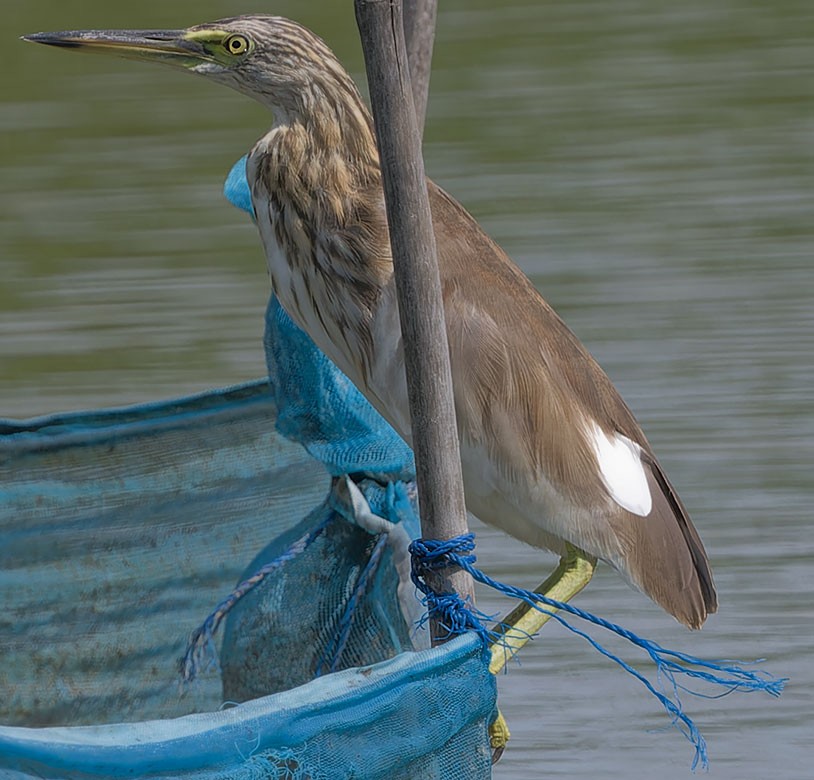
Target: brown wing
column 525, row 365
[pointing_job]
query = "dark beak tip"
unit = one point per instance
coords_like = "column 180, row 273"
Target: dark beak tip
column 49, row 39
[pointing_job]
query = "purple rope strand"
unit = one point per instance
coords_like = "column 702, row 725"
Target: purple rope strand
column 201, row 654
column 346, row 621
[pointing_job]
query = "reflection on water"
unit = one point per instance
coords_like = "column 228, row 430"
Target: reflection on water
column 649, row 164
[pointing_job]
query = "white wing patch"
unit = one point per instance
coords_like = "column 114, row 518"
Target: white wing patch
column 620, row 462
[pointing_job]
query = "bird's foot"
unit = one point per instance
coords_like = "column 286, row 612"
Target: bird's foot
column 499, row 735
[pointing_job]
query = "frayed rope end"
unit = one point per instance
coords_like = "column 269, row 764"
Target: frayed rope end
column 430, row 555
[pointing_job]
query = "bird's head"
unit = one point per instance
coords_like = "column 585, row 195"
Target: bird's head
column 274, row 60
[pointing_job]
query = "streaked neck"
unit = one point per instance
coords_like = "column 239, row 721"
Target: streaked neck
column 317, row 172
column 324, row 136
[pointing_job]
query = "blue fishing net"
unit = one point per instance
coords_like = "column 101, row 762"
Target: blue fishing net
column 218, row 587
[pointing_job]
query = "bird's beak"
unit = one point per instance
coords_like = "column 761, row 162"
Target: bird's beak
column 171, row 47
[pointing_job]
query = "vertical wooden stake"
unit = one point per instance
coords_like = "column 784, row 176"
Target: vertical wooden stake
column 426, row 354
column 419, row 34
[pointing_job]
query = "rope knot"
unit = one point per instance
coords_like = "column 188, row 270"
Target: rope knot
column 448, row 609
column 433, row 555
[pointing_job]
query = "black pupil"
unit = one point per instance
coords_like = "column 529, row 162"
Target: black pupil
column 236, row 44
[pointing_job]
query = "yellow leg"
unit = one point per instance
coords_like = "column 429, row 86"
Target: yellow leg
column 573, row 573
column 499, row 736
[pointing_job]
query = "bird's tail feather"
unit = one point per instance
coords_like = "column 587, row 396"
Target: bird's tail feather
column 663, row 555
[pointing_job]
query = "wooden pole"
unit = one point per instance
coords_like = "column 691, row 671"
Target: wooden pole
column 419, row 35
column 418, row 285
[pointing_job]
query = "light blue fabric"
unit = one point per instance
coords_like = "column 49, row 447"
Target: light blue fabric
column 236, row 187
column 411, row 718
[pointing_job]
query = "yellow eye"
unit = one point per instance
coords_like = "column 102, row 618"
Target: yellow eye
column 236, row 44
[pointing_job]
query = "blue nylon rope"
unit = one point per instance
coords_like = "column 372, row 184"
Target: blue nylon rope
column 430, row 555
column 333, row 653
column 201, row 653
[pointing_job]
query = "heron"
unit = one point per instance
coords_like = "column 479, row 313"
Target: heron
column 550, row 452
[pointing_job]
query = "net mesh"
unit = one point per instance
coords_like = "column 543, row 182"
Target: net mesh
column 119, row 532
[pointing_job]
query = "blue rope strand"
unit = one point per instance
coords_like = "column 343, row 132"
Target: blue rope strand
column 430, row 555
column 201, row 654
column 337, row 647
column 453, row 614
